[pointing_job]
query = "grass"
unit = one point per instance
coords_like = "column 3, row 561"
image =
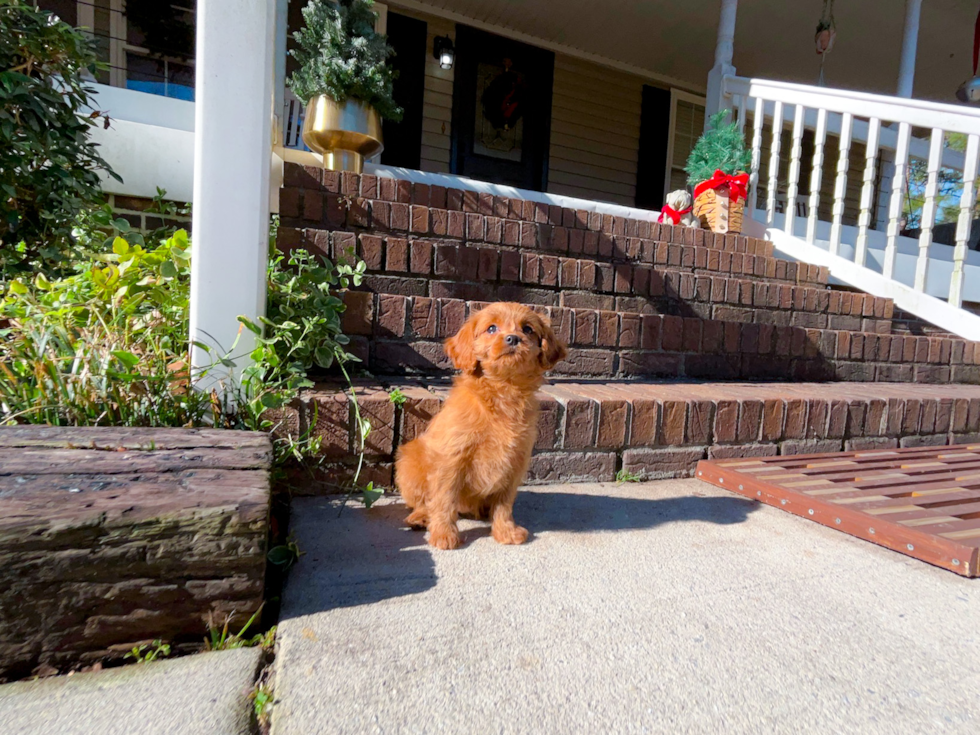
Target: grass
column 221, row 638
column 625, row 475
column 148, row 652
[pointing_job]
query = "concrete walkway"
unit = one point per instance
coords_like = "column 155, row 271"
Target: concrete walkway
column 205, row 694
column 662, row 607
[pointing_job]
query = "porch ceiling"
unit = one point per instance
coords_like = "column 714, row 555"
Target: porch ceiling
column 675, row 41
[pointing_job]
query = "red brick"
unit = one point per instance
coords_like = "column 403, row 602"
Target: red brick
column 629, row 330
column 421, row 256
column 358, row 315
column 772, row 419
column 726, row 421
column 699, row 422
column 644, row 426
column 749, row 421
column 608, row 329
column 673, row 423
column 420, row 220
column 673, row 333
column 613, row 420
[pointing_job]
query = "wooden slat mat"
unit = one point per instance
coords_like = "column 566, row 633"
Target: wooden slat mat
column 923, row 502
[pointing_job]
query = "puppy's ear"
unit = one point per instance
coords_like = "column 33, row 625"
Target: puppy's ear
column 459, row 347
column 553, row 350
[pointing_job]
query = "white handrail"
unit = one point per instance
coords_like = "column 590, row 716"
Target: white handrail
column 885, row 125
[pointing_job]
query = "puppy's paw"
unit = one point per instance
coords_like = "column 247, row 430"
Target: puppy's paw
column 417, row 520
column 444, row 538
column 510, row 534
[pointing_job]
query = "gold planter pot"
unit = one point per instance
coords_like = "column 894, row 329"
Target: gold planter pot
column 345, row 134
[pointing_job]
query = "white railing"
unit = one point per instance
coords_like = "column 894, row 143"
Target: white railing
column 861, row 254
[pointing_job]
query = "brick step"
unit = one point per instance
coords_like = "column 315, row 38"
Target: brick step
column 587, row 431
column 356, row 204
column 490, row 273
column 396, row 334
column 334, row 243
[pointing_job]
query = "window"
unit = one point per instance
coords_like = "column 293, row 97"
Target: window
column 148, row 46
column 686, row 126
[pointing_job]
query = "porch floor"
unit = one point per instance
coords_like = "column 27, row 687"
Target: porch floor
column 662, row 607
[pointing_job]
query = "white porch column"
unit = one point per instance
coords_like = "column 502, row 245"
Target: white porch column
column 724, row 51
column 910, row 40
column 232, row 144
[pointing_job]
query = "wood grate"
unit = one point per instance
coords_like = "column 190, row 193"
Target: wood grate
column 923, row 502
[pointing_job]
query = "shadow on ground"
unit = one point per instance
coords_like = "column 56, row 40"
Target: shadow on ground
column 575, row 513
column 365, row 556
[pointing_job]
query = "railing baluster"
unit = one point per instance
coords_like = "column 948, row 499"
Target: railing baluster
column 965, row 222
column 741, row 113
column 777, row 133
column 840, row 185
column 816, row 176
column 897, row 196
column 929, row 209
column 757, row 120
column 794, row 171
column 867, row 192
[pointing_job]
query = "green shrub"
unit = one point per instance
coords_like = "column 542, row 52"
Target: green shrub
column 48, row 165
column 342, row 56
column 108, row 344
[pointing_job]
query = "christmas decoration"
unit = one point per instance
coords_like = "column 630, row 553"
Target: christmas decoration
column 341, row 56
column 678, row 210
column 825, row 35
column 716, row 170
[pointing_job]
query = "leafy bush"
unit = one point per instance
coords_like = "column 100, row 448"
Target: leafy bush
column 108, row 344
column 48, row 166
column 342, row 56
column 720, row 148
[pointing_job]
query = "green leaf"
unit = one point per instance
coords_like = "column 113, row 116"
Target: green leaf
column 250, row 325
column 371, row 495
column 121, row 225
column 126, row 358
column 120, row 246
column 168, row 269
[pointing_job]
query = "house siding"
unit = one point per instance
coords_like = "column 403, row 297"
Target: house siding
column 595, row 132
column 437, row 109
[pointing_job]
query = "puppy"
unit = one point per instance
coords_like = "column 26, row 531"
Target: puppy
column 476, row 451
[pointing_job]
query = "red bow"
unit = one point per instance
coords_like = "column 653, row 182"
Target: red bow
column 738, row 185
column 674, row 214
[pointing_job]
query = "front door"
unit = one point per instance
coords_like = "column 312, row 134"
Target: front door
column 501, row 122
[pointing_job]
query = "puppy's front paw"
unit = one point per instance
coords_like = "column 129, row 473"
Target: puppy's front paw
column 444, row 538
column 510, row 534
column 417, row 520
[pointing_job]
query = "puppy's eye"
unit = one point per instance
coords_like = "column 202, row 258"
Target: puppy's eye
column 527, row 329
column 492, row 329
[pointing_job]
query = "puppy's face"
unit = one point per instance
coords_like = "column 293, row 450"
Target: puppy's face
column 505, row 340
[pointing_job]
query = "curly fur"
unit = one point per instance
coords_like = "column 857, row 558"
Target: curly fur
column 476, row 451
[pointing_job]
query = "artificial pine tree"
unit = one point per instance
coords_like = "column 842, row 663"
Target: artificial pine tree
column 720, row 148
column 341, row 55
column 716, row 170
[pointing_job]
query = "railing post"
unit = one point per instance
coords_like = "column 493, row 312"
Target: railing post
column 724, row 52
column 897, row 196
column 929, row 209
column 232, row 158
column 965, row 222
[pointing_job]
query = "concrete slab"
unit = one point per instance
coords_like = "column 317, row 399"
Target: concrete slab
column 204, row 693
column 662, row 607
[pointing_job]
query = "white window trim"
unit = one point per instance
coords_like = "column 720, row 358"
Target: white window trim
column 675, row 96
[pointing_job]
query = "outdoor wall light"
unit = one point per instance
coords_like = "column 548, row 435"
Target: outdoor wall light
column 442, row 49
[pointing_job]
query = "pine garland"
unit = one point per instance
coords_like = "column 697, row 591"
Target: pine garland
column 342, row 56
column 720, row 148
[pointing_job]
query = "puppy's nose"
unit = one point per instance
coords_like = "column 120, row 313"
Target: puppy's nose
column 512, row 340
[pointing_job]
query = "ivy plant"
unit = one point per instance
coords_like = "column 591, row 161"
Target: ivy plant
column 49, row 167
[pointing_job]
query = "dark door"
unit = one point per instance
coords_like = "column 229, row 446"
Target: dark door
column 403, row 140
column 651, row 165
column 501, row 110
